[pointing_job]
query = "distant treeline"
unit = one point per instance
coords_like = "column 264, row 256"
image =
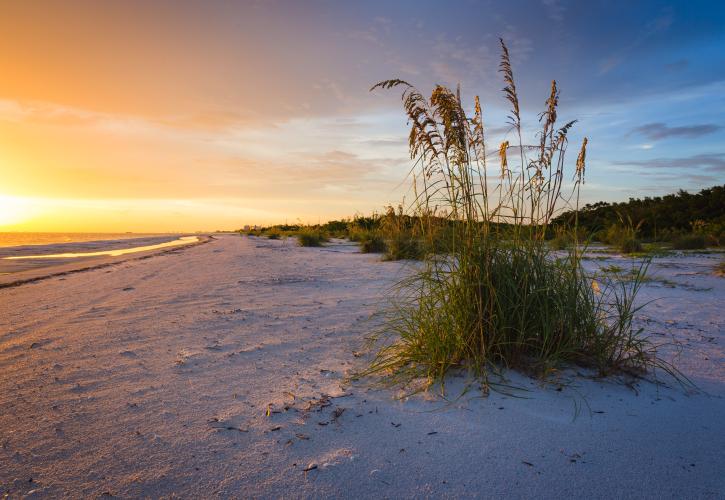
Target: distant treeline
column 683, row 219
column 661, row 218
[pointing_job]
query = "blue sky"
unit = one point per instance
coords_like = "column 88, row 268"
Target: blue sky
column 645, row 79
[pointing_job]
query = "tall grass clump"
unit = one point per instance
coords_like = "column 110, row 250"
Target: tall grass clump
column 310, row 237
column 624, row 235
column 373, row 243
column 689, row 242
column 562, row 239
column 496, row 297
column 403, row 238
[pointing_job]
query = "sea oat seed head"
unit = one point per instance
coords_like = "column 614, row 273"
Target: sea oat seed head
column 581, row 160
column 504, row 160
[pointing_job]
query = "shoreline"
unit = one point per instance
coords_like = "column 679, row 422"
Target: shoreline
column 82, row 264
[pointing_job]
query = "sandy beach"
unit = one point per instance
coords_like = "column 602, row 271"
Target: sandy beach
column 219, row 370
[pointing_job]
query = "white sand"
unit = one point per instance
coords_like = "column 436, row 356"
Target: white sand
column 153, row 377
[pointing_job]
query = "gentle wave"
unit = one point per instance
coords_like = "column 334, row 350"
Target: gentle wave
column 184, row 240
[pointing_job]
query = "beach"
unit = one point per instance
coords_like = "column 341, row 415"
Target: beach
column 223, row 369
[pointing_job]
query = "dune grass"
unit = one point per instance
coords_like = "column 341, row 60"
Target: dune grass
column 310, row 237
column 630, row 245
column 493, row 296
column 689, row 242
column 373, row 243
column 561, row 240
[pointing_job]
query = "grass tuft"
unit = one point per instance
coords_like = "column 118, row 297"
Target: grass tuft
column 490, row 293
column 310, row 238
column 373, row 243
column 630, row 245
column 689, row 242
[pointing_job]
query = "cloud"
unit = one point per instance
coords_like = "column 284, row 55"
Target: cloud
column 330, row 87
column 554, row 9
column 368, row 35
column 678, row 65
column 397, row 142
column 455, row 61
column 657, row 25
column 711, row 162
column 656, row 131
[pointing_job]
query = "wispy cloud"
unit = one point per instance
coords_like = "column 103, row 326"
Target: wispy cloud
column 712, row 162
column 385, row 142
column 657, row 25
column 679, row 65
column 456, row 61
column 659, row 130
column 554, row 9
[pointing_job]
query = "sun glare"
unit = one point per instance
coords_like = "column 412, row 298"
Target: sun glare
column 14, row 210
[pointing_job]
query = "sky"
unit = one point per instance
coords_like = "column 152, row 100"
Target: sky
column 172, row 116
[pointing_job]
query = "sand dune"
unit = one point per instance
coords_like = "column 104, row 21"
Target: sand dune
column 219, row 370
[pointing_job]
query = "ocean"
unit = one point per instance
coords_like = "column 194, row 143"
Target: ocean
column 25, row 251
column 23, row 239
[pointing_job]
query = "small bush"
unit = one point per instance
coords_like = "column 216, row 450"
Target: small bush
column 274, row 235
column 374, row 243
column 561, row 241
column 689, row 242
column 403, row 246
column 630, row 245
column 310, row 238
column 358, row 235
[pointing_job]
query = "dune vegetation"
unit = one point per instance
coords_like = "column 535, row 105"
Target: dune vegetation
column 490, row 294
column 682, row 220
column 635, row 227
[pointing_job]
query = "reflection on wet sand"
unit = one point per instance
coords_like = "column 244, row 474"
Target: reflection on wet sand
column 185, row 240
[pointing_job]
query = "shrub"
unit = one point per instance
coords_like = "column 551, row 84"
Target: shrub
column 274, row 235
column 689, row 242
column 561, row 241
column 373, row 243
column 630, row 245
column 499, row 298
column 310, row 238
column 359, row 235
column 403, row 246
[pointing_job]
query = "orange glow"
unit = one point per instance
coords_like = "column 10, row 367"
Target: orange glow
column 115, row 118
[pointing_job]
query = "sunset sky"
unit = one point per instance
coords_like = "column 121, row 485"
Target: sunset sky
column 183, row 116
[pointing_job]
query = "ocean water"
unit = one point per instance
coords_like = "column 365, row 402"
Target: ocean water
column 23, row 239
column 25, row 251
